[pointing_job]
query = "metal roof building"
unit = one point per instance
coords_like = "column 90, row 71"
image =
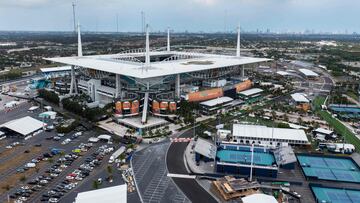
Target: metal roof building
column 266, row 135
column 300, row 98
column 308, row 73
column 251, row 92
column 217, row 101
column 24, row 126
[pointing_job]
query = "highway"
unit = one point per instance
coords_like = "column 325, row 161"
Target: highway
column 176, row 165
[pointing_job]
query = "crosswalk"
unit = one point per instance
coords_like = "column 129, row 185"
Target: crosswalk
column 151, row 175
column 181, row 139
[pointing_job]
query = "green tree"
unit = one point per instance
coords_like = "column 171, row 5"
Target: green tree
column 109, row 169
column 23, row 178
column 95, row 184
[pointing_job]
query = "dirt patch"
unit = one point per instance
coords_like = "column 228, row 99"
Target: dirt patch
column 16, row 179
column 21, row 158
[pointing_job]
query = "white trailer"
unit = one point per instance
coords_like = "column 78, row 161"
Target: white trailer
column 116, row 154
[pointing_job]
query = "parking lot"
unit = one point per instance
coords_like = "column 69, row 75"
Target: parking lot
column 48, row 168
column 151, row 175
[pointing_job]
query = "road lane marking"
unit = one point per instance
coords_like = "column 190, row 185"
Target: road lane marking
column 173, row 175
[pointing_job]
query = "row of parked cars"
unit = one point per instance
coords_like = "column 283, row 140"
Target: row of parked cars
column 37, row 184
column 71, row 179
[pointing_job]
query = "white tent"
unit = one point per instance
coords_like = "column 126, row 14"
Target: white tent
column 259, row 198
column 115, row 194
column 24, row 126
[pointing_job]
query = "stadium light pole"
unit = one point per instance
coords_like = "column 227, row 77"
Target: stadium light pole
column 252, row 160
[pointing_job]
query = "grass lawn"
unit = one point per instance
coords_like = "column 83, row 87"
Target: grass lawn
column 336, row 124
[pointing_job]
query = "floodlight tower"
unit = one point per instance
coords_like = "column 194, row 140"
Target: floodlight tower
column 73, row 86
column 168, row 40
column 238, row 42
column 238, row 51
column 74, row 15
column 147, row 48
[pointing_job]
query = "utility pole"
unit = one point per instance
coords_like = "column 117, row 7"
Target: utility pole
column 74, row 16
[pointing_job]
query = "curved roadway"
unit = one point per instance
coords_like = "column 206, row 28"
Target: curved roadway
column 176, row 165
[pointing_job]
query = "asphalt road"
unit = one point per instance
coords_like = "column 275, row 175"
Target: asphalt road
column 176, row 165
column 150, row 172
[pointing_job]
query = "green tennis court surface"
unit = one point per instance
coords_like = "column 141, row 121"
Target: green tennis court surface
column 244, row 157
column 333, row 195
column 328, row 168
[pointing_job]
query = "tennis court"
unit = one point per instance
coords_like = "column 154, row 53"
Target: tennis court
column 244, row 157
column 335, row 195
column 329, row 168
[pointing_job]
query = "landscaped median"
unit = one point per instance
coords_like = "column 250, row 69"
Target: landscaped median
column 336, row 124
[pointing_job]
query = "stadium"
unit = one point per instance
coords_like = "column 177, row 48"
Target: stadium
column 153, row 82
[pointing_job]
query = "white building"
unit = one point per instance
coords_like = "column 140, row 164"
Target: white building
column 24, row 126
column 115, row 194
column 308, row 73
column 300, row 98
column 267, row 136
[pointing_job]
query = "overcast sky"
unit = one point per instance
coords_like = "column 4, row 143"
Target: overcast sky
column 181, row 15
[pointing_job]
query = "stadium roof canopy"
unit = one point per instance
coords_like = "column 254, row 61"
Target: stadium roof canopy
column 24, row 126
column 115, row 194
column 128, row 64
column 56, row 69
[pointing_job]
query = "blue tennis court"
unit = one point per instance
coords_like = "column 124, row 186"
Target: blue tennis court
column 329, row 168
column 334, row 195
column 244, row 157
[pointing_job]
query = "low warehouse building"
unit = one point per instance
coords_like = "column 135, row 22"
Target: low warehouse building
column 251, row 95
column 212, row 106
column 323, row 134
column 308, row 73
column 301, row 101
column 23, row 126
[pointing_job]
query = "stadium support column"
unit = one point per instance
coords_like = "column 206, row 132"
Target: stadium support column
column 177, row 86
column 73, row 87
column 242, row 71
column 118, row 86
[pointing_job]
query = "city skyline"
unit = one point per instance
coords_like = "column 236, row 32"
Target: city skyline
column 331, row 16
